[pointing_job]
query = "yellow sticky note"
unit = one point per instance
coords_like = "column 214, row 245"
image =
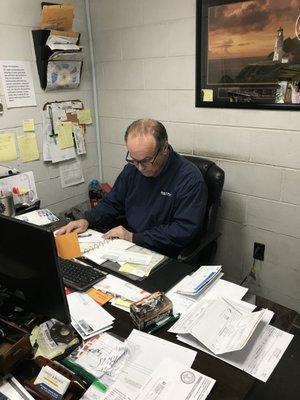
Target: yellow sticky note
column 8, row 149
column 67, row 245
column 28, row 147
column 65, row 137
column 122, row 302
column 208, row 94
column 28, row 125
column 84, row 116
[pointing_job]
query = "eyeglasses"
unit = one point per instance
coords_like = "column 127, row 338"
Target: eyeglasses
column 144, row 163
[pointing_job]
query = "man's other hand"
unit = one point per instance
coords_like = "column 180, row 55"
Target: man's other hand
column 119, row 232
column 78, row 226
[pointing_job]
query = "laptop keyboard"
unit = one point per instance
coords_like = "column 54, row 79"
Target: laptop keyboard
column 78, row 276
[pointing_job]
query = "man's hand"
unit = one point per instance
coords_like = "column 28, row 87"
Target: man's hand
column 78, row 226
column 119, row 232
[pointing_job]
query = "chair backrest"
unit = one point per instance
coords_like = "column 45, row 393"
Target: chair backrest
column 214, row 178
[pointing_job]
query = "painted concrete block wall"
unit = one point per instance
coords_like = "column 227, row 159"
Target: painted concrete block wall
column 17, row 19
column 145, row 57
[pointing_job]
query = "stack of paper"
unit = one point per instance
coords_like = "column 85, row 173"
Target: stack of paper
column 197, row 282
column 260, row 355
column 182, row 303
column 88, row 317
column 218, row 325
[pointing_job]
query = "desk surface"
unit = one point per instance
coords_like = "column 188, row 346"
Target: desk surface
column 231, row 383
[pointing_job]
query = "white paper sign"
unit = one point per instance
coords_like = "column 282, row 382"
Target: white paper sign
column 17, row 83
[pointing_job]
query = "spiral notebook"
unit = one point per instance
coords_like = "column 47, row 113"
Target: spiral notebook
column 95, row 249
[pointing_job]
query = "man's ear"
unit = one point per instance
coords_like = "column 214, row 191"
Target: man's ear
column 165, row 151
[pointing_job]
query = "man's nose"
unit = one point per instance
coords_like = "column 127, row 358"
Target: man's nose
column 140, row 166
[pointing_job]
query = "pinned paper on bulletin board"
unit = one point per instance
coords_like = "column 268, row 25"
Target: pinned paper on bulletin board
column 63, row 135
column 84, row 116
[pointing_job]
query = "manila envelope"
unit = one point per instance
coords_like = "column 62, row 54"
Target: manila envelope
column 67, row 246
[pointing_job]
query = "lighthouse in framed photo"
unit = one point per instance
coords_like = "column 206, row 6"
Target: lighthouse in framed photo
column 278, row 47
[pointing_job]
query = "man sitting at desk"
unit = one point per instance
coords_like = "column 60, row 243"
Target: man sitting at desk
column 161, row 194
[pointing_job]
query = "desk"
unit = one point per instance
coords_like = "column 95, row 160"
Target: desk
column 231, row 383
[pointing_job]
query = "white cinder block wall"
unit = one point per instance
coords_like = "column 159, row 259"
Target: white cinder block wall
column 17, row 19
column 145, row 60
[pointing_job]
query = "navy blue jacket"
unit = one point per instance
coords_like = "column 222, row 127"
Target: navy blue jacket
column 164, row 212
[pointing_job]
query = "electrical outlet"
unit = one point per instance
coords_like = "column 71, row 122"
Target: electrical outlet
column 259, row 251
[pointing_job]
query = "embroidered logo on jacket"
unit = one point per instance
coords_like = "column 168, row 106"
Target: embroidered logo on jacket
column 165, row 193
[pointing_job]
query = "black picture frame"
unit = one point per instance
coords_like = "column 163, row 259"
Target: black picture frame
column 239, row 64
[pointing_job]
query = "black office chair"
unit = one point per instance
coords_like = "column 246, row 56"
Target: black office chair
column 202, row 249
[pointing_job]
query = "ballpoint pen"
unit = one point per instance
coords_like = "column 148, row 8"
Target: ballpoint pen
column 164, row 322
column 83, row 235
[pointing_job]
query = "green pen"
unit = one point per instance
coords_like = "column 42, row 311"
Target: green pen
column 88, row 377
column 164, row 322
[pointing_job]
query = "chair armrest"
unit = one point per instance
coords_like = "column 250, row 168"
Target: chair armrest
column 197, row 246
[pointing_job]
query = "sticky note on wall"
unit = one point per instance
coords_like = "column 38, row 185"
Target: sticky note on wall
column 208, row 94
column 28, row 125
column 65, row 135
column 84, row 116
column 28, row 147
column 8, row 149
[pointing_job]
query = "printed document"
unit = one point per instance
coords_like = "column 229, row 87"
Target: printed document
column 260, row 355
column 172, row 380
column 147, row 351
column 219, row 325
column 222, row 328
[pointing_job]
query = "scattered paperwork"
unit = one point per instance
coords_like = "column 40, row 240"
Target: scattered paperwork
column 145, row 351
column 219, row 325
column 260, row 355
column 99, row 354
column 218, row 288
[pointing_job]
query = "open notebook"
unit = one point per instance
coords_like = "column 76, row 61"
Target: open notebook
column 124, row 257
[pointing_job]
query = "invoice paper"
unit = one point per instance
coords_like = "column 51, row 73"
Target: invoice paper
column 172, row 380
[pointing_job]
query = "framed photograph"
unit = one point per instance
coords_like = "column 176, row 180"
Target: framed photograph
column 248, row 54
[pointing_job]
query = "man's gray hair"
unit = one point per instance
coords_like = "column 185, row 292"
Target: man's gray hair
column 146, row 126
